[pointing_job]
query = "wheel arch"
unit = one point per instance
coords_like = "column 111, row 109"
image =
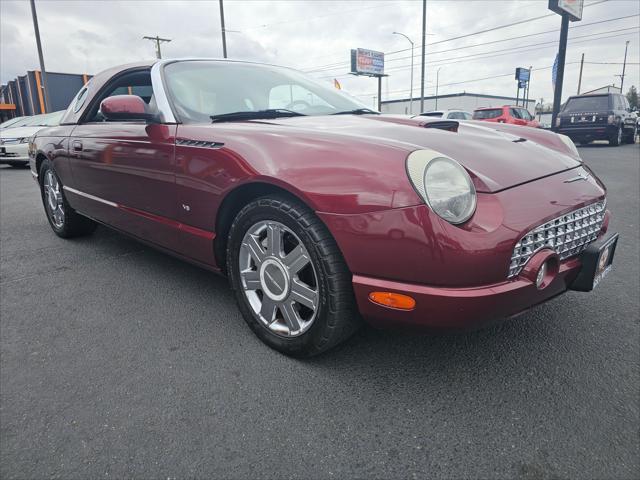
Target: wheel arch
column 234, row 201
column 40, row 157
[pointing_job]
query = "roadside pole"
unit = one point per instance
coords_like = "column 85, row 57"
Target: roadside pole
column 580, row 77
column 624, row 66
column 43, row 72
column 424, row 36
column 224, row 35
column 562, row 51
column 528, row 89
column 568, row 10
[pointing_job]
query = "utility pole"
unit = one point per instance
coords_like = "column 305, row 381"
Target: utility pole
column 624, row 66
column 45, row 85
column 424, row 38
column 158, row 40
column 580, row 77
column 437, row 84
column 411, row 89
column 562, row 53
column 224, row 33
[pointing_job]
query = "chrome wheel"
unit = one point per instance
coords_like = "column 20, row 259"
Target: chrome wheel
column 53, row 199
column 278, row 278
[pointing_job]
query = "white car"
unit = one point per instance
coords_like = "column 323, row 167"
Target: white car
column 14, row 140
column 448, row 114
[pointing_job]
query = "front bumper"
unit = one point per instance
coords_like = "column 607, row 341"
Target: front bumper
column 459, row 308
column 14, row 152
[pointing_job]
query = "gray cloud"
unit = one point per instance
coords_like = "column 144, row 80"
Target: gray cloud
column 86, row 37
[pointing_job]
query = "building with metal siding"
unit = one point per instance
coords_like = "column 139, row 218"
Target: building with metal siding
column 26, row 93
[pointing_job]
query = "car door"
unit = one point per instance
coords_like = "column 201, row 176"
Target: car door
column 124, row 171
column 517, row 117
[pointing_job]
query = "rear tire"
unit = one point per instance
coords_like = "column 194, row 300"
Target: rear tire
column 631, row 138
column 616, row 139
column 267, row 234
column 64, row 220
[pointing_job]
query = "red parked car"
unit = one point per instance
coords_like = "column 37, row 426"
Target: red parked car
column 319, row 210
column 506, row 114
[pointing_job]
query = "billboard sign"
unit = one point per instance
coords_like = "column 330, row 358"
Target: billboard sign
column 522, row 74
column 573, row 8
column 367, row 62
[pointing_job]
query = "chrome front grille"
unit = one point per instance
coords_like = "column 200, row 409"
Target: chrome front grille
column 567, row 235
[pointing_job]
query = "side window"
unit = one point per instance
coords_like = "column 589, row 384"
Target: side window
column 515, row 113
column 294, row 97
column 136, row 83
column 80, row 98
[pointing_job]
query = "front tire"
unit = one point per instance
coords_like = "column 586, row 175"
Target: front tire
column 291, row 283
column 64, row 220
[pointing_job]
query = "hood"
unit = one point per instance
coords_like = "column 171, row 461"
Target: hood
column 497, row 156
column 19, row 132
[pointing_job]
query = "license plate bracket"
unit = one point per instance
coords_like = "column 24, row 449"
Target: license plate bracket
column 597, row 262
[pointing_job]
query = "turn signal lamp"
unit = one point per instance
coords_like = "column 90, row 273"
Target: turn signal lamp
column 393, row 300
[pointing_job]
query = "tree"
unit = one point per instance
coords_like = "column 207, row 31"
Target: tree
column 632, row 96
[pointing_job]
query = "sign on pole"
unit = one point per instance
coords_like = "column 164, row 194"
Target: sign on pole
column 367, row 62
column 573, row 8
column 371, row 64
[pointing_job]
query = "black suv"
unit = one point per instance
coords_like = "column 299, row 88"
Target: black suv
column 604, row 116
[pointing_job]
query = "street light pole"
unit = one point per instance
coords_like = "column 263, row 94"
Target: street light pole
column 224, row 34
column 624, row 66
column 424, row 37
column 411, row 90
column 437, row 85
column 45, row 85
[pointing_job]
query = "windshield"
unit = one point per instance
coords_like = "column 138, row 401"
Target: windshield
column 46, row 120
column 597, row 103
column 482, row 114
column 431, row 114
column 200, row 89
column 8, row 123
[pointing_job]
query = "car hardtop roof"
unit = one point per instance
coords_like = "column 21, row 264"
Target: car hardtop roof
column 603, row 94
column 489, row 108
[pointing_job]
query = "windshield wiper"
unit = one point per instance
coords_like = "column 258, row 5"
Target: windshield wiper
column 358, row 111
column 255, row 114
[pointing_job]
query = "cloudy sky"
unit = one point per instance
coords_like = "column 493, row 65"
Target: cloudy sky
column 316, row 36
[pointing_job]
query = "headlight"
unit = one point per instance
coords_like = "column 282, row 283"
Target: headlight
column 569, row 143
column 24, row 140
column 443, row 184
column 611, row 119
column 558, row 121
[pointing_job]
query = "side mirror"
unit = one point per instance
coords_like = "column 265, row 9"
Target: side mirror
column 127, row 107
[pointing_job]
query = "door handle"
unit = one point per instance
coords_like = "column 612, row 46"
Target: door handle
column 77, row 146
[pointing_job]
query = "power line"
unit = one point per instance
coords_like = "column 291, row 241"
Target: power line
column 491, row 42
column 499, row 27
column 502, row 52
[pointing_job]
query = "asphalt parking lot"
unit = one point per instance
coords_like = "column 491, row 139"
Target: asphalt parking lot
column 119, row 361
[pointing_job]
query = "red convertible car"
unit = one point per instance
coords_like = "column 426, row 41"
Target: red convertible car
column 319, row 210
